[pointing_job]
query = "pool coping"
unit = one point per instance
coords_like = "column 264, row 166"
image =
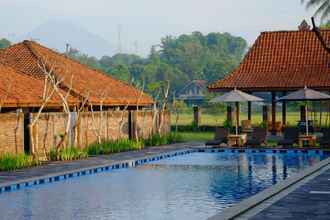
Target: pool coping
column 113, row 165
column 248, row 204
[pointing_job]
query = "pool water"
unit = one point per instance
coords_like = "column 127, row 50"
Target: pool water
column 192, row 186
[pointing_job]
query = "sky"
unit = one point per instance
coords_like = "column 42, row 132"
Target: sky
column 142, row 23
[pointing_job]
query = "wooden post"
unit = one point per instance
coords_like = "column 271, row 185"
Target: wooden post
column 273, row 113
column 237, row 117
column 302, row 113
column 197, row 116
column 265, row 114
column 249, row 111
column 284, row 111
column 229, row 114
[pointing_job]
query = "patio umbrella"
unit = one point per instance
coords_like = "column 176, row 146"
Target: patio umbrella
column 236, row 96
column 305, row 94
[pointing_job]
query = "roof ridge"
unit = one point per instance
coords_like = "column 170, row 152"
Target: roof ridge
column 294, row 31
column 76, row 61
column 39, row 57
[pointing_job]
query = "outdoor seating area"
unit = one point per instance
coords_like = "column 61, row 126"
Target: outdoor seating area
column 303, row 135
column 261, row 137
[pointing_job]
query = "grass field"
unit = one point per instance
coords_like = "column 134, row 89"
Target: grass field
column 207, row 119
column 196, row 136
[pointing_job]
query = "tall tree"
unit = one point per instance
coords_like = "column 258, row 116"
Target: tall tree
column 323, row 8
column 4, row 43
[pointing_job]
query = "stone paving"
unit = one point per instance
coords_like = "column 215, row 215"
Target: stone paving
column 62, row 166
column 309, row 201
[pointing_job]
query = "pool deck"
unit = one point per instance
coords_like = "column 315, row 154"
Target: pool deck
column 58, row 168
column 309, row 201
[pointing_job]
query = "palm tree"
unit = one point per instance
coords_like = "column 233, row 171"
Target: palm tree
column 323, row 8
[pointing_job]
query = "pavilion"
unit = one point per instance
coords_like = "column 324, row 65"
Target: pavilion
column 280, row 62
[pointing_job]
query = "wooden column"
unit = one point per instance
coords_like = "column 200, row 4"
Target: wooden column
column 249, row 111
column 197, row 116
column 284, row 111
column 237, row 117
column 273, row 112
column 229, row 114
column 302, row 113
column 265, row 114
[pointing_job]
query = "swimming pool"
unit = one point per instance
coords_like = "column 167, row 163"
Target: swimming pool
column 191, row 186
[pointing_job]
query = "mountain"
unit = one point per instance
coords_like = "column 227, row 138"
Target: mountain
column 56, row 34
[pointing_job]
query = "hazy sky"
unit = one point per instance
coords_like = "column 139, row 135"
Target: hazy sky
column 144, row 22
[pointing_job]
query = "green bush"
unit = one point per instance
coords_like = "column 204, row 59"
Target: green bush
column 114, row 146
column 157, row 139
column 70, row 153
column 10, row 162
column 122, row 145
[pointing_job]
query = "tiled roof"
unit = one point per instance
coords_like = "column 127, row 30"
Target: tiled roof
column 21, row 90
column 97, row 85
column 283, row 60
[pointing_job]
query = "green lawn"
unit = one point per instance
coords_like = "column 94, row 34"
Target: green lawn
column 197, row 136
column 207, row 119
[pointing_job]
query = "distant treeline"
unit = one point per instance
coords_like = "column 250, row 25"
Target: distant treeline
column 176, row 59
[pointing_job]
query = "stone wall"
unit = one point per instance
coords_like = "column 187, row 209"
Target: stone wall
column 11, row 133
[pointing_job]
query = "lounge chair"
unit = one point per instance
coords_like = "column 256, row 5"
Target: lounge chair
column 258, row 137
column 291, row 136
column 278, row 126
column 246, row 126
column 325, row 139
column 220, row 137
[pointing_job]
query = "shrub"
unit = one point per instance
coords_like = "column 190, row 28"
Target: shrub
column 11, row 162
column 115, row 146
column 156, row 139
column 228, row 124
column 70, row 153
column 94, row 149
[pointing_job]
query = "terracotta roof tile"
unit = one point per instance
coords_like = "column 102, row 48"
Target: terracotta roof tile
column 98, row 85
column 21, row 90
column 283, row 60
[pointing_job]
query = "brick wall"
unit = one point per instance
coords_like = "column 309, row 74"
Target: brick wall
column 147, row 123
column 85, row 129
column 108, row 125
column 165, row 122
column 143, row 123
column 47, row 131
column 11, row 133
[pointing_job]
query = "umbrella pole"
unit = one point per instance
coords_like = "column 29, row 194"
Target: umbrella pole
column 237, row 117
column 306, row 118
